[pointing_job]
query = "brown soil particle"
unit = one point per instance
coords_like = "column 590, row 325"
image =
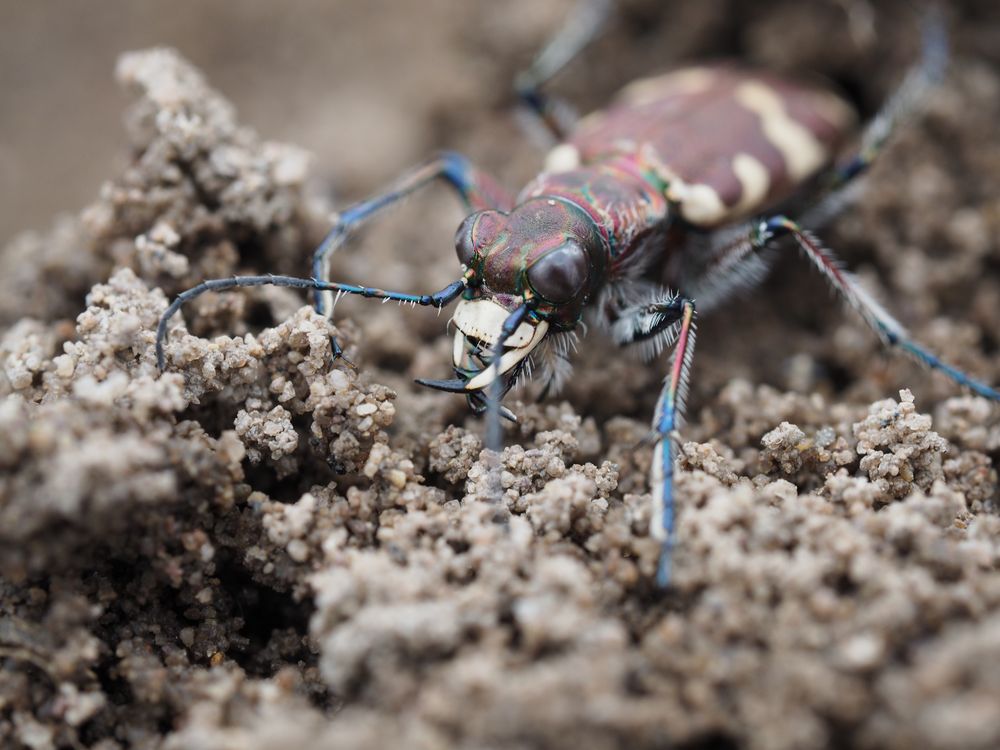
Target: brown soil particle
column 263, row 547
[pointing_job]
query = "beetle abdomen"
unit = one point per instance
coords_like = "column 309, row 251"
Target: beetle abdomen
column 727, row 141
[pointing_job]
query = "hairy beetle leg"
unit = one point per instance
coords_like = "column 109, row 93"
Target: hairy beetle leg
column 666, row 420
column 655, row 326
column 888, row 329
column 842, row 182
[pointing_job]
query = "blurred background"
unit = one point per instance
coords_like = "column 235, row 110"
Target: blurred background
column 369, row 86
column 356, row 82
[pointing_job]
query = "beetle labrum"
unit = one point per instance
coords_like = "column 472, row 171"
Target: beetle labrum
column 661, row 200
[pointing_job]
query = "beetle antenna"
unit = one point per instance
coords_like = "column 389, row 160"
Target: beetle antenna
column 438, row 299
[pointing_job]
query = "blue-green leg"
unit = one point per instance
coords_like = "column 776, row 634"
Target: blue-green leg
column 475, row 188
column 665, row 322
column 927, row 73
column 584, row 23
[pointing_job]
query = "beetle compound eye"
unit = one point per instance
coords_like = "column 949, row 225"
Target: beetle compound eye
column 464, row 242
column 559, row 275
column 476, row 232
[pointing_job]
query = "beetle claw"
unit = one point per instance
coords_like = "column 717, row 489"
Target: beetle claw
column 455, row 385
column 476, row 398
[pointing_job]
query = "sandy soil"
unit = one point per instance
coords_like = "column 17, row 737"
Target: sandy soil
column 262, row 548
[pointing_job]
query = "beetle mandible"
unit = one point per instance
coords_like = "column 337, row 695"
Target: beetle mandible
column 664, row 198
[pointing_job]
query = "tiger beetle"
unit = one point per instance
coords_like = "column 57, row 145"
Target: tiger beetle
column 664, row 198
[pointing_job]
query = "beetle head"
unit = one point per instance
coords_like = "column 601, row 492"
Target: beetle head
column 546, row 254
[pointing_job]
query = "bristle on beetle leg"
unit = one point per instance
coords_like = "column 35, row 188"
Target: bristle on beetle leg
column 888, row 329
column 669, row 413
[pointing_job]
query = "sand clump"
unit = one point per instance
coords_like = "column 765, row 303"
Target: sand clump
column 259, row 548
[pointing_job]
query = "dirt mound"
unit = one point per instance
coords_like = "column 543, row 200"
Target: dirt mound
column 265, row 548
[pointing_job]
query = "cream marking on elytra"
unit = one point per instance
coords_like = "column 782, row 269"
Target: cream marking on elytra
column 699, row 204
column 754, row 181
column 687, row 81
column 802, row 152
column 562, row 158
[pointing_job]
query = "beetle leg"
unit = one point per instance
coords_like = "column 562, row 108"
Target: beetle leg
column 666, row 420
column 927, row 73
column 664, row 322
column 438, row 299
column 475, row 188
column 495, row 390
column 725, row 264
column 650, row 325
column 890, row 330
column 585, row 22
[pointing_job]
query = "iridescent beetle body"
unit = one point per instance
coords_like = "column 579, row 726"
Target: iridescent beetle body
column 693, row 149
column 668, row 196
column 718, row 142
